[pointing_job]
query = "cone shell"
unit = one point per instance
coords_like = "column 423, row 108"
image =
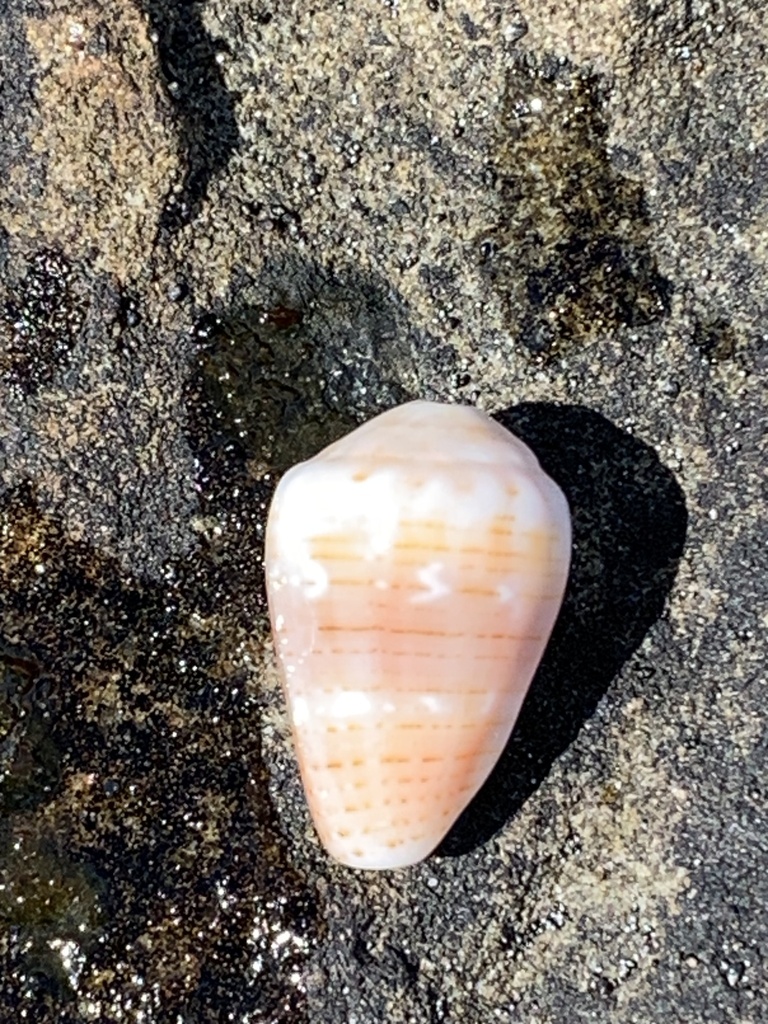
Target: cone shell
column 415, row 570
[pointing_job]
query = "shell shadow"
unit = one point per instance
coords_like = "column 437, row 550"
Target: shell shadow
column 629, row 527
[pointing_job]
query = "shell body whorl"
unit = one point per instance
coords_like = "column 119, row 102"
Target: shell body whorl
column 415, row 569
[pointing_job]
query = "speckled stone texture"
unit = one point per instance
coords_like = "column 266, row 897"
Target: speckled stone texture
column 229, row 232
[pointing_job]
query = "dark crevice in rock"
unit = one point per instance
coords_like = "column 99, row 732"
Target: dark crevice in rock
column 205, row 107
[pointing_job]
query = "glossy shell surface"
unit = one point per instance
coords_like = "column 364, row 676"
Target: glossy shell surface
column 415, row 569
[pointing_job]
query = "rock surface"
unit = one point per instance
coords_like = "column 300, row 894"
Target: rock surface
column 230, row 231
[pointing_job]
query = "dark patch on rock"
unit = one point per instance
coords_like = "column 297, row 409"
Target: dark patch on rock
column 130, row 310
column 281, row 391
column 40, row 321
column 717, row 339
column 470, row 28
column 579, row 228
column 206, row 108
column 47, row 902
column 29, row 760
column 136, row 816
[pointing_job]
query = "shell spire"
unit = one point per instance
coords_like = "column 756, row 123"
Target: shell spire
column 415, row 569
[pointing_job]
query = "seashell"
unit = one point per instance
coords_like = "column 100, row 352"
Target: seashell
column 415, row 569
